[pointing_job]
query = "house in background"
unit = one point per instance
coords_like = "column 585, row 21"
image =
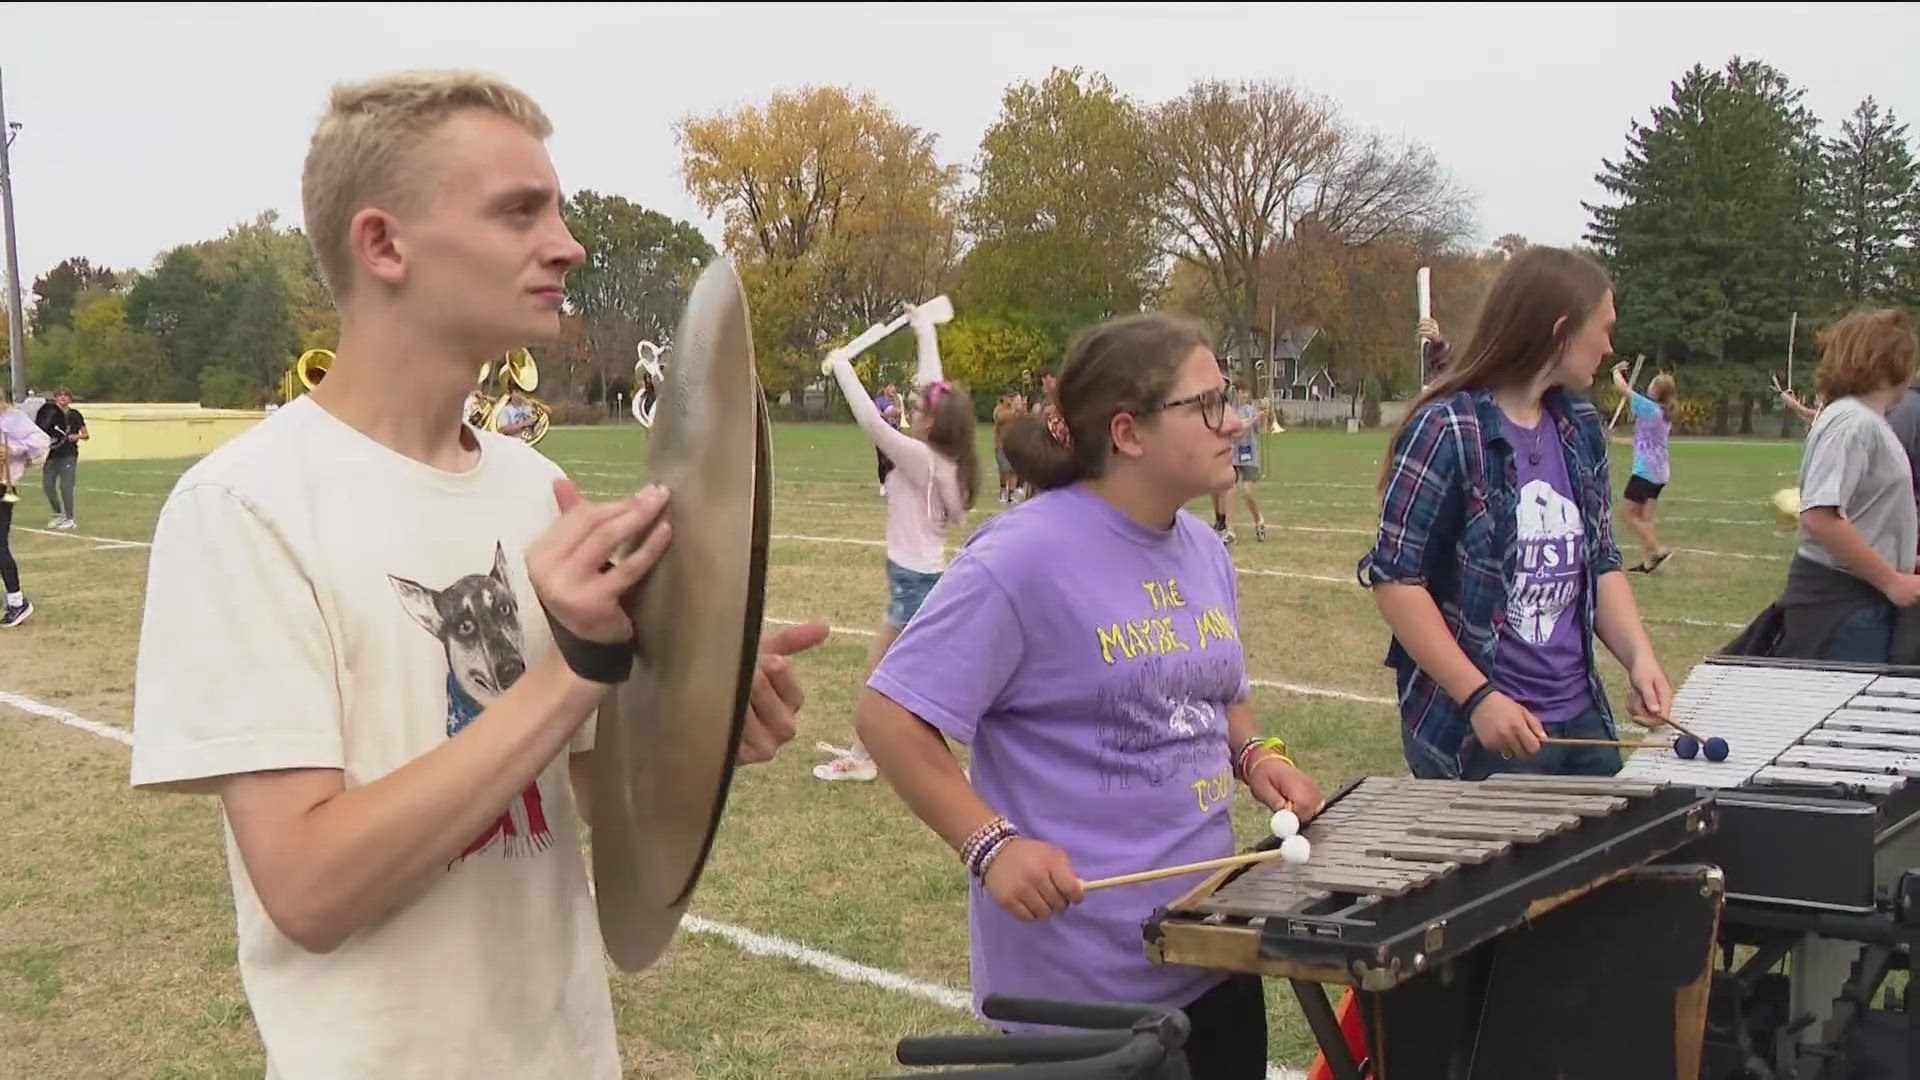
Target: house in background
column 1293, row 376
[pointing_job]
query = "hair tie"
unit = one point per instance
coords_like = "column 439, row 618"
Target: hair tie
column 1058, row 428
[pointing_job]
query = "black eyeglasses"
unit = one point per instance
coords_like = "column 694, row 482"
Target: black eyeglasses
column 1213, row 406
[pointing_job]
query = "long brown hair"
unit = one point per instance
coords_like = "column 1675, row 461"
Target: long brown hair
column 1871, row 349
column 1515, row 337
column 951, row 436
column 1124, row 365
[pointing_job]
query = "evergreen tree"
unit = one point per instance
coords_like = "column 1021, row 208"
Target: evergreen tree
column 1870, row 193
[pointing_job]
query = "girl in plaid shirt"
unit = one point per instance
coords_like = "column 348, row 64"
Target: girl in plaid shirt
column 1495, row 564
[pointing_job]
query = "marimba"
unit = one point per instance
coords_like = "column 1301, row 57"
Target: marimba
column 1818, row 804
column 1416, row 895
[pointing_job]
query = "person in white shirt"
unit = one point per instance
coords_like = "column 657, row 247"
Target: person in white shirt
column 398, row 720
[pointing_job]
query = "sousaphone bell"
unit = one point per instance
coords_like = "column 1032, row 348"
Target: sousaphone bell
column 667, row 737
column 648, row 373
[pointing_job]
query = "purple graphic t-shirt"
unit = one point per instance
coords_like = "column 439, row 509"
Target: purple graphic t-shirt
column 1541, row 661
column 1088, row 661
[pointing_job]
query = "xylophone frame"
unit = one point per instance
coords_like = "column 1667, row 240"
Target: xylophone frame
column 1347, row 939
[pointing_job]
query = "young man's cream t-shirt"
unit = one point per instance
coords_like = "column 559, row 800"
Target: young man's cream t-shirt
column 316, row 600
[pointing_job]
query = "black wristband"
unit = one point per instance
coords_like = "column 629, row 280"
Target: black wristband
column 594, row 661
column 1474, row 699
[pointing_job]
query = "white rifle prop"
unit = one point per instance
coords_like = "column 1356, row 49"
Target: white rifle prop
column 937, row 310
column 1631, row 380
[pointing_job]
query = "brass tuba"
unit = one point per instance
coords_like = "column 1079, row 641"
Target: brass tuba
column 305, row 374
column 517, row 371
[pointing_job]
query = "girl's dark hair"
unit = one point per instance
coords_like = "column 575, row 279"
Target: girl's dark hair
column 951, row 435
column 1124, row 365
column 1515, row 339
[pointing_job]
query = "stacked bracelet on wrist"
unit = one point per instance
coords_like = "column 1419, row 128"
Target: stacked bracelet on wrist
column 985, row 843
column 1250, row 753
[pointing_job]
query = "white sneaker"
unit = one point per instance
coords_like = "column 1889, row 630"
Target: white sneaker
column 66, row 525
column 54, row 522
column 847, row 767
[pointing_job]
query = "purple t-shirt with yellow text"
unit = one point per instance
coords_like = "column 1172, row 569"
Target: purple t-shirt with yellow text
column 1088, row 661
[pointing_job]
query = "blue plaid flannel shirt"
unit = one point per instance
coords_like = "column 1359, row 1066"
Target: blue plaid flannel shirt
column 1446, row 524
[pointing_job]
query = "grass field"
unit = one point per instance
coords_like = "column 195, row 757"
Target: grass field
column 116, row 926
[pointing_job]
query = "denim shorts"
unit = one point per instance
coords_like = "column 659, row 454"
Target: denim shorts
column 906, row 591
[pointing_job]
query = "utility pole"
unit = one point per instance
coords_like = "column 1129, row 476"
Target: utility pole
column 16, row 329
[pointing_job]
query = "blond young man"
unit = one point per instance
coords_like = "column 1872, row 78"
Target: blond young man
column 391, row 715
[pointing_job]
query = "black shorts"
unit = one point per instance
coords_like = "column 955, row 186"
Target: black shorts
column 1641, row 489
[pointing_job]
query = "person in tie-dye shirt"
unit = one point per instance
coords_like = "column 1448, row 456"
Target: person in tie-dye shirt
column 1652, row 421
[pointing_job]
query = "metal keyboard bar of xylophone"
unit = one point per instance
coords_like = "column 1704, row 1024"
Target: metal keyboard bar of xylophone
column 1796, row 776
column 1849, row 760
column 1541, row 802
column 1863, row 740
column 1900, row 706
column 1596, row 785
column 1513, row 826
column 1894, row 686
column 1898, row 723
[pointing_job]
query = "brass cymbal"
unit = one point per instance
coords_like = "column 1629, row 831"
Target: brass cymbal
column 667, row 738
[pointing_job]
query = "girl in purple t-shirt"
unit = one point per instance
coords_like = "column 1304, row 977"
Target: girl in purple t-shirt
column 1085, row 644
column 1495, row 564
column 930, row 488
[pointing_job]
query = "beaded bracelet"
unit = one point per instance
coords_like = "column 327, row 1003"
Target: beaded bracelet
column 977, row 866
column 968, row 849
column 992, row 852
column 985, row 843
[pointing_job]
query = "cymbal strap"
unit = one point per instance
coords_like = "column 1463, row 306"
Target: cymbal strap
column 594, row 661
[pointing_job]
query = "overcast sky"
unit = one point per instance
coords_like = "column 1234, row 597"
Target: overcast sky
column 149, row 126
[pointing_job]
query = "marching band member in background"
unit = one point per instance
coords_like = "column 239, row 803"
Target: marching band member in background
column 1652, row 421
column 1853, row 570
column 68, row 429
column 1086, row 646
column 22, row 442
column 1495, row 563
column 931, row 486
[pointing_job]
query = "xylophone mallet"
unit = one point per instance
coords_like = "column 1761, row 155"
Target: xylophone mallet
column 1284, row 853
column 1621, row 743
column 1286, row 826
column 1690, row 742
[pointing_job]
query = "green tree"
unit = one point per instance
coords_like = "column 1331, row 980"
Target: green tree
column 1870, row 189
column 1713, row 238
column 109, row 359
column 180, row 306
column 991, row 353
column 258, row 339
column 50, row 357
column 56, row 293
column 1063, row 219
column 639, row 266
